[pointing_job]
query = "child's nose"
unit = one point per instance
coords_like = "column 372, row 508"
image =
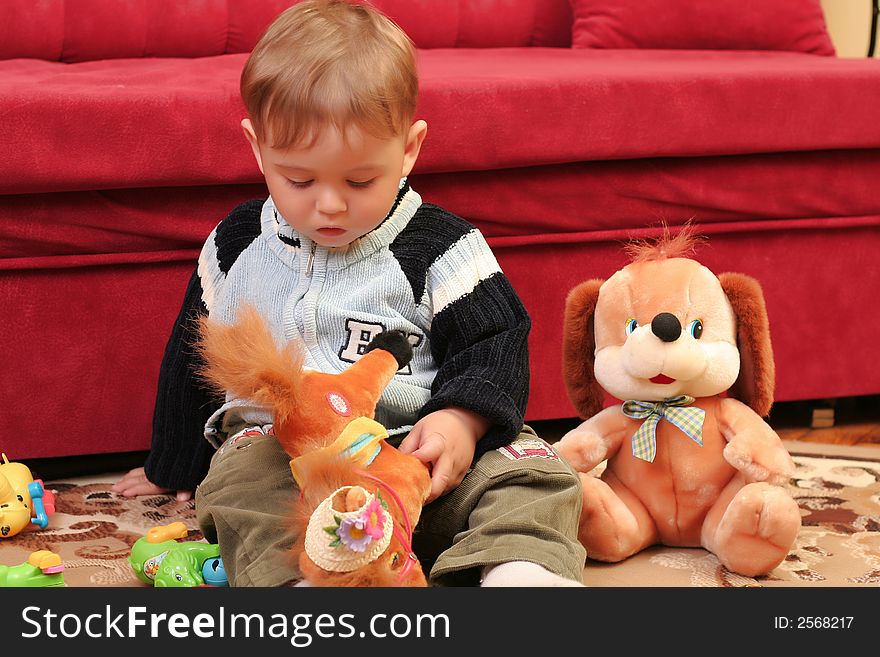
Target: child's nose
column 330, row 201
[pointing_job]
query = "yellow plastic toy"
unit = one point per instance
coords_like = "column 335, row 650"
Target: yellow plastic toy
column 23, row 500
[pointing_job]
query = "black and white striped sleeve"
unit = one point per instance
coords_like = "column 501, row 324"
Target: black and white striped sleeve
column 179, row 455
column 480, row 328
column 178, row 459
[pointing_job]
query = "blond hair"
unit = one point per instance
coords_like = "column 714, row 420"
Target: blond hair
column 328, row 63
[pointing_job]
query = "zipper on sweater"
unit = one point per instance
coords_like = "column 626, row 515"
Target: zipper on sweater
column 310, row 264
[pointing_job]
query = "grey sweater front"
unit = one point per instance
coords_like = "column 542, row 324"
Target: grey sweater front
column 423, row 271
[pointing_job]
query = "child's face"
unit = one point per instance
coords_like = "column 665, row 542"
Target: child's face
column 337, row 189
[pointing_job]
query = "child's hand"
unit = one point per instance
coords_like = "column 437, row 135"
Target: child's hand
column 445, row 439
column 135, row 483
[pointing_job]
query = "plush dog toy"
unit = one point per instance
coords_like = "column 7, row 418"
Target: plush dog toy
column 360, row 498
column 690, row 461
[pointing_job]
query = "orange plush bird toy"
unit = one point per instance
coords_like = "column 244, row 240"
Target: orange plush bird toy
column 360, row 497
column 690, row 461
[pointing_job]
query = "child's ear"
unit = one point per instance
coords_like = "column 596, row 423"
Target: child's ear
column 251, row 136
column 413, row 145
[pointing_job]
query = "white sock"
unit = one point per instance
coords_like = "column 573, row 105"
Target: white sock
column 523, row 573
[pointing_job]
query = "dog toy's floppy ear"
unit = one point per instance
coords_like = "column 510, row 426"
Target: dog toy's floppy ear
column 578, row 349
column 757, row 374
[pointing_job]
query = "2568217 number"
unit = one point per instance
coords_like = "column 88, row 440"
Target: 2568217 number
column 813, row 622
column 824, row 622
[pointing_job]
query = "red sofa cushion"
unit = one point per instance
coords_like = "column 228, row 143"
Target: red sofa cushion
column 173, row 122
column 85, row 30
column 557, row 204
column 797, row 25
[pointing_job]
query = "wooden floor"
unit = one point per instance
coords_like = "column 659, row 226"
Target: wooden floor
column 856, row 421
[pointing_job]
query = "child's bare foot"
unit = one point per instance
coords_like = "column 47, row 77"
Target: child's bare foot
column 135, row 482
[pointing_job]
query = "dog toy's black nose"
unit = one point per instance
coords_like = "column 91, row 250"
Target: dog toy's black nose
column 396, row 343
column 666, row 327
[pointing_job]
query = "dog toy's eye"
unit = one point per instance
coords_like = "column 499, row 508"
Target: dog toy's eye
column 696, row 329
column 631, row 325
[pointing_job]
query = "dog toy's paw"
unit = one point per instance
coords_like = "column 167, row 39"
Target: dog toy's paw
column 757, row 529
column 583, row 450
column 771, row 465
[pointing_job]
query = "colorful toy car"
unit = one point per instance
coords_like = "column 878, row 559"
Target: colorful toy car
column 159, row 559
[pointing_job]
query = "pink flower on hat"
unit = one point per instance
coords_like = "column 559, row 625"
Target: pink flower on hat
column 374, row 519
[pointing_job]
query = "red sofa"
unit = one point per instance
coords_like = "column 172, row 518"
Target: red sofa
column 121, row 150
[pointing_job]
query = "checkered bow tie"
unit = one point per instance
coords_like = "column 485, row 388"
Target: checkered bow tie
column 676, row 410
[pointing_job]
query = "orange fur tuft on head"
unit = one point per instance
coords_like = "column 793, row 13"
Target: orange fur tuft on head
column 243, row 359
column 681, row 245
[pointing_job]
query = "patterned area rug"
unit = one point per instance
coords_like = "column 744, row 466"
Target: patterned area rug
column 837, row 489
column 94, row 529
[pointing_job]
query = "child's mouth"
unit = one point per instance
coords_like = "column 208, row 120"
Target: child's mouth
column 661, row 378
column 329, row 231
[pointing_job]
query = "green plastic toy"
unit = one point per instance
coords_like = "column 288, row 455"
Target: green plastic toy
column 43, row 568
column 159, row 559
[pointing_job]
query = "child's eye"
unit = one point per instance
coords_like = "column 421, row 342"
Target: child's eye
column 360, row 184
column 299, row 184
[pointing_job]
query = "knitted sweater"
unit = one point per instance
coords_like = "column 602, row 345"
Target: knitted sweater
column 422, row 270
